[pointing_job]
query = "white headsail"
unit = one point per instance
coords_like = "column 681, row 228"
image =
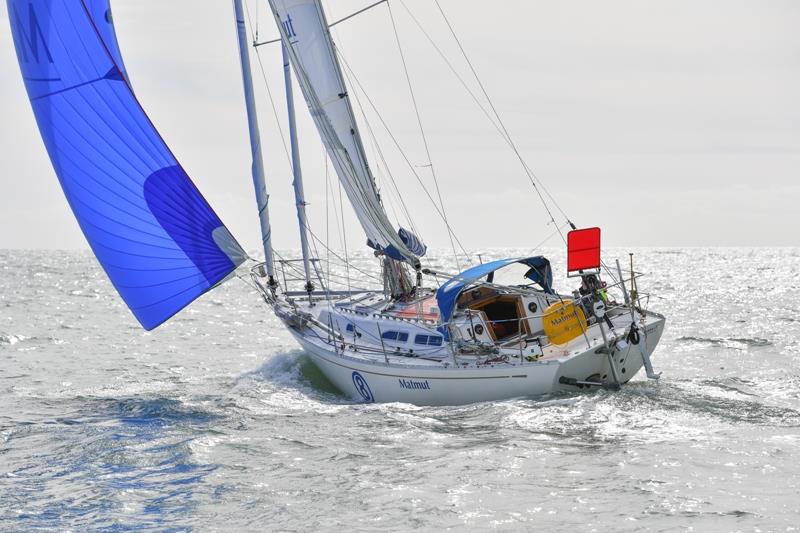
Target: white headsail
column 304, row 32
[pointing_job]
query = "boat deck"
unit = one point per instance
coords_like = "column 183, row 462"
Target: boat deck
column 514, row 352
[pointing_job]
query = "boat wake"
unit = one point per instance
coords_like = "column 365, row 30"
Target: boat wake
column 291, row 373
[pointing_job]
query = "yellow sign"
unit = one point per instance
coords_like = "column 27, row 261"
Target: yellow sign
column 563, row 321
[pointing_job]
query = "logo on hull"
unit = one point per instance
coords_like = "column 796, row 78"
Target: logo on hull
column 411, row 384
column 362, row 387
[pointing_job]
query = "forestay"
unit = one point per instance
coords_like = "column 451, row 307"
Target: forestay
column 304, row 32
column 158, row 240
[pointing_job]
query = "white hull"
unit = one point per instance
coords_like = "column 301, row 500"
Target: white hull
column 376, row 381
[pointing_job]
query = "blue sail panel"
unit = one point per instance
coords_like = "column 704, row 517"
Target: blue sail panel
column 100, row 11
column 157, row 238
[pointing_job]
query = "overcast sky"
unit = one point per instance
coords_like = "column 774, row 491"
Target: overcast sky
column 666, row 123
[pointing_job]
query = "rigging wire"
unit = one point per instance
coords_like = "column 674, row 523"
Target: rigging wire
column 351, row 15
column 278, row 123
column 353, row 81
column 453, row 70
column 394, row 194
column 327, row 217
column 329, row 194
column 315, row 238
column 300, row 274
column 330, row 197
column 399, row 148
column 340, row 227
column 376, row 144
column 477, row 102
column 498, row 124
column 422, row 133
column 363, row 186
column 331, row 25
column 269, row 91
column 344, row 231
column 280, row 129
column 337, row 256
column 531, row 176
column 360, row 192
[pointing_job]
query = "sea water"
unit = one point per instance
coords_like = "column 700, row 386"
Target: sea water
column 218, row 421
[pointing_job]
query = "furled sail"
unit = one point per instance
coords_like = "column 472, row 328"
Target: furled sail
column 158, row 240
column 304, row 31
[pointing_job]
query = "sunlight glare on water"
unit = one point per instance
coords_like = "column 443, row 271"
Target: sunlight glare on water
column 217, row 420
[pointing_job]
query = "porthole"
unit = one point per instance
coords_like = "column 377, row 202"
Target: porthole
column 532, row 307
column 478, row 329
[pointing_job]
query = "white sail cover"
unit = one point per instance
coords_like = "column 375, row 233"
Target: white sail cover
column 304, row 32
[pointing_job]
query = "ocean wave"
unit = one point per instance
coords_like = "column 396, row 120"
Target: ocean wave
column 103, row 432
column 10, row 340
column 748, row 341
column 725, row 400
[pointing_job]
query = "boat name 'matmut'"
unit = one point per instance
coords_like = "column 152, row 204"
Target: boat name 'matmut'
column 411, row 384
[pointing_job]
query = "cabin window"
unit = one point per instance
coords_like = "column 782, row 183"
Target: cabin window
column 399, row 336
column 350, row 328
column 428, row 340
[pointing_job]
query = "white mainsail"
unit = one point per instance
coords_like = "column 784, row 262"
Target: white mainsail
column 304, row 32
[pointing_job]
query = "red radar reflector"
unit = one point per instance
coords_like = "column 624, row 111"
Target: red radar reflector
column 583, row 249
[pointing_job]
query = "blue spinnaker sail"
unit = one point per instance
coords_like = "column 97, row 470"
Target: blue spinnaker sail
column 100, row 11
column 157, row 238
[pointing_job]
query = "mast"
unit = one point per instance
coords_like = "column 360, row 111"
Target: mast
column 259, row 183
column 299, row 197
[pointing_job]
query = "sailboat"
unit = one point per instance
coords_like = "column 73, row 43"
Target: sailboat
column 421, row 336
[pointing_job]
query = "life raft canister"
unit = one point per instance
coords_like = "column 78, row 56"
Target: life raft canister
column 563, row 321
